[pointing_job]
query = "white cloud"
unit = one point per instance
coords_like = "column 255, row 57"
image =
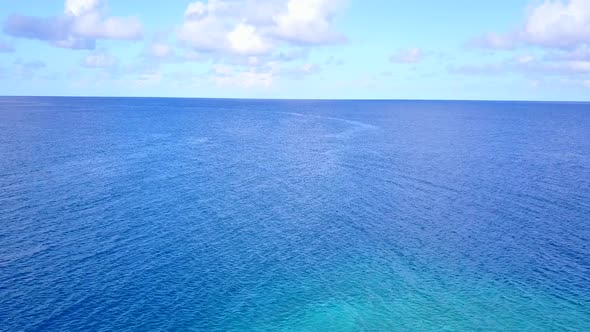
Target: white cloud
column 309, row 22
column 574, row 66
column 207, row 25
column 259, row 74
column 558, row 24
column 81, row 7
column 89, row 21
column 558, row 28
column 550, row 24
column 300, row 71
column 206, row 34
column 99, row 60
column 83, row 22
column 411, row 55
column 494, row 41
column 93, row 25
column 579, row 53
column 527, row 65
column 244, row 39
column 159, row 50
column 195, row 10
column 248, row 27
column 224, row 75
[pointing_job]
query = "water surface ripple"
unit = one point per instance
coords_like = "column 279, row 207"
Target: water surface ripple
column 130, row 214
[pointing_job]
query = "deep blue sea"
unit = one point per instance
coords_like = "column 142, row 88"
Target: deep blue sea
column 131, row 214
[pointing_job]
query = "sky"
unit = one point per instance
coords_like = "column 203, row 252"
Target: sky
column 340, row 49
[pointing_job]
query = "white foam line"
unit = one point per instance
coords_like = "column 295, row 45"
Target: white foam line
column 357, row 123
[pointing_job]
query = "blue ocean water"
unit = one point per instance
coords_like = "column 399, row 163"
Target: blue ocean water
column 130, row 214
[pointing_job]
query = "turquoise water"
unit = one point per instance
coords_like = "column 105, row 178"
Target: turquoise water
column 252, row 215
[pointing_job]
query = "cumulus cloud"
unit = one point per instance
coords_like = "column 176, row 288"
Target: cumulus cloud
column 80, row 7
column 244, row 39
column 550, row 24
column 309, row 22
column 410, row 55
column 82, row 23
column 560, row 30
column 202, row 28
column 248, row 27
column 558, row 24
column 222, row 26
column 253, row 43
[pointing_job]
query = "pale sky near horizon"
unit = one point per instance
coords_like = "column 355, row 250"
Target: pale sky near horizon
column 456, row 49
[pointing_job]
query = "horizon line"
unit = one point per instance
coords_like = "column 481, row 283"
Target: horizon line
column 301, row 99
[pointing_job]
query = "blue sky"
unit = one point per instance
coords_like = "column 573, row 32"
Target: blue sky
column 508, row 49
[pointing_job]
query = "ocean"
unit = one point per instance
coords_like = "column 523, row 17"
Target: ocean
column 140, row 214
